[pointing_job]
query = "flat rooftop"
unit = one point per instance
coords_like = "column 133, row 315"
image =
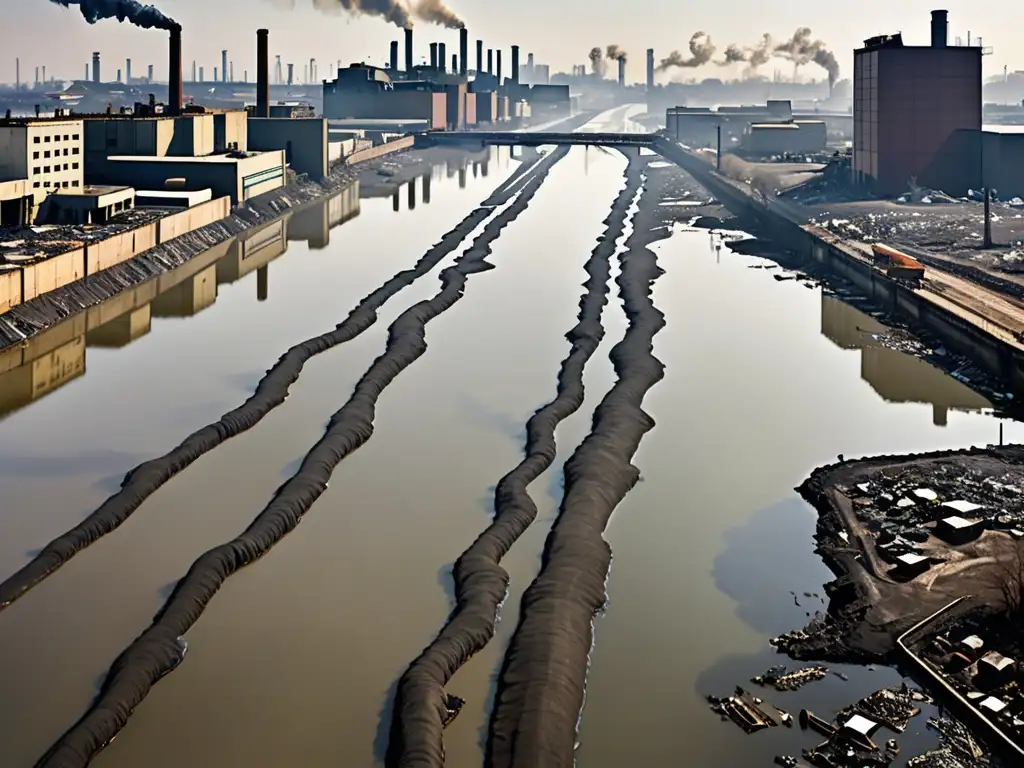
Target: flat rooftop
column 167, row 159
column 93, row 191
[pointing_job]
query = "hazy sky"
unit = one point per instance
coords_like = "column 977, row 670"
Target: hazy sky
column 558, row 31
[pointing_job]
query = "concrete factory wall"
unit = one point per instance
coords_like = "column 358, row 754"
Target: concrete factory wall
column 237, row 178
column 230, row 131
column 192, row 218
column 304, row 141
column 187, row 136
column 388, row 105
column 384, row 149
column 486, row 107
column 10, row 289
column 973, row 159
column 456, row 105
column 113, row 250
column 46, row 275
column 337, row 150
column 469, row 100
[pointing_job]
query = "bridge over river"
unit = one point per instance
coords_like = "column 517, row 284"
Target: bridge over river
column 537, row 138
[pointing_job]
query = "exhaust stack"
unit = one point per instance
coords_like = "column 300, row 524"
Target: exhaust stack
column 262, row 73
column 940, row 29
column 433, row 55
column 497, row 65
column 394, row 57
column 442, row 55
column 622, row 73
column 95, row 67
column 408, row 51
column 490, row 61
column 650, row 68
column 463, row 50
column 479, row 56
column 515, row 64
column 173, row 72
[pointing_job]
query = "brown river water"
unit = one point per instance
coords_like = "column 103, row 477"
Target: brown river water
column 295, row 660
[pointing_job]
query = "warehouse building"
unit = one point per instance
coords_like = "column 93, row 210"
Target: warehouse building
column 40, row 156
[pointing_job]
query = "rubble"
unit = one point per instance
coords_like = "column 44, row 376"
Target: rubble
column 782, row 680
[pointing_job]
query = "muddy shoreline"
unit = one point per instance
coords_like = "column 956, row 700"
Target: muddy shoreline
column 541, row 686
column 480, row 582
column 160, row 648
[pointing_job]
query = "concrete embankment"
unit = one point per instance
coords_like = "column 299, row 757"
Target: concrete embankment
column 480, row 582
column 541, row 687
column 144, row 480
column 964, row 330
column 159, row 649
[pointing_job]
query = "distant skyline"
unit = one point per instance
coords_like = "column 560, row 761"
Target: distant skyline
column 40, row 32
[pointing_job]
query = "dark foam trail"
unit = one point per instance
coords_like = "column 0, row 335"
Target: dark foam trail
column 541, row 687
column 144, row 480
column 480, row 582
column 160, row 648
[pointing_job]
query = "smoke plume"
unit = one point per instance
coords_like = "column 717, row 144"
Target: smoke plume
column 146, row 16
column 802, row 49
column 701, row 51
column 759, row 55
column 615, row 53
column 733, row 55
column 436, row 12
column 596, row 57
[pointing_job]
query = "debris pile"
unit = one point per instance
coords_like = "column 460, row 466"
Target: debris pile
column 782, row 680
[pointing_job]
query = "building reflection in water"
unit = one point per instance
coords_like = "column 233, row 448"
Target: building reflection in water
column 896, row 376
column 426, row 186
column 411, row 202
column 55, row 357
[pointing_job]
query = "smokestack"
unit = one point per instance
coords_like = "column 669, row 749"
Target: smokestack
column 291, row 74
column 394, row 57
column 17, row 74
column 86, row 73
column 409, row 64
column 479, row 56
column 202, row 74
column 44, row 73
column 37, row 76
column 231, row 77
column 650, row 68
column 442, row 56
column 128, row 70
column 262, row 73
column 940, row 29
column 463, row 50
column 224, row 66
column 149, row 74
column 95, row 67
column 622, row 72
column 497, row 65
column 515, row 64
column 216, row 75
column 174, row 71
column 490, row 61
column 433, row 55
column 116, row 81
column 455, row 63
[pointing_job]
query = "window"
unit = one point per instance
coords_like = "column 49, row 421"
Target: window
column 65, row 153
column 46, row 169
column 64, row 185
column 74, row 166
column 35, row 155
column 35, row 140
column 47, row 139
column 74, row 151
column 74, row 183
column 46, row 184
column 35, row 184
column 46, row 153
column 65, row 137
column 75, row 137
column 36, row 170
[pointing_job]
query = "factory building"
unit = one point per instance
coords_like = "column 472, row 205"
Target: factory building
column 368, row 92
column 908, row 103
column 44, row 153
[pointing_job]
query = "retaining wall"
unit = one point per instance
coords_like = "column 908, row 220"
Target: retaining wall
column 370, row 153
column 197, row 216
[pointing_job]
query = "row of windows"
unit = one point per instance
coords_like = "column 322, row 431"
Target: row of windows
column 47, row 139
column 56, row 153
column 56, row 184
column 56, row 168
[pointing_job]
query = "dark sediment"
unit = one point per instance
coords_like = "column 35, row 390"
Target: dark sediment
column 144, row 480
column 159, row 649
column 480, row 582
column 541, row 688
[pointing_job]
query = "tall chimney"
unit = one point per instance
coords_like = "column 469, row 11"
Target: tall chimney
column 442, row 56
column 433, row 55
column 291, row 74
column 409, row 63
column 128, row 70
column 44, row 74
column 394, row 57
column 87, row 73
column 149, row 74
column 17, row 74
column 940, row 29
column 95, row 67
column 262, row 73
column 479, row 56
column 497, row 65
column 116, row 81
column 515, row 64
column 650, row 68
column 622, row 72
column 224, row 66
column 463, row 50
column 455, row 63
column 490, row 61
column 194, row 72
column 174, row 72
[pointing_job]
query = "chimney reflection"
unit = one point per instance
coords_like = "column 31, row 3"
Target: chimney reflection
column 394, row 202
column 476, row 168
column 426, row 186
column 483, row 169
column 462, row 177
column 262, row 283
column 412, row 194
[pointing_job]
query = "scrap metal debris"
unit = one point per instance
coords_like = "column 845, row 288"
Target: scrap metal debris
column 783, row 680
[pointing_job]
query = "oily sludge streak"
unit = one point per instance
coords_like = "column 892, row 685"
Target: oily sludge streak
column 541, row 686
column 158, row 650
column 143, row 481
column 480, row 582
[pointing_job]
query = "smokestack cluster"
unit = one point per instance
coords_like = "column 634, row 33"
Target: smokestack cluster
column 801, row 49
column 463, row 50
column 409, row 63
column 174, row 89
column 262, row 73
column 146, row 16
column 940, row 29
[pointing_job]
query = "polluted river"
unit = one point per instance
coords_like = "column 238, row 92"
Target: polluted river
column 301, row 657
